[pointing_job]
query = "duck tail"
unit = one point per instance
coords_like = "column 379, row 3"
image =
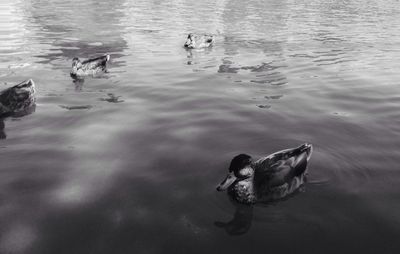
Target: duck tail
column 307, row 148
column 302, row 155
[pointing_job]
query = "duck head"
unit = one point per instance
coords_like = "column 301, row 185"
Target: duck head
column 76, row 63
column 240, row 169
column 190, row 42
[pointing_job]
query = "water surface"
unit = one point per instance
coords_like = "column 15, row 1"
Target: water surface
column 129, row 162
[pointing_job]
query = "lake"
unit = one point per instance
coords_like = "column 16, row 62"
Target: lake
column 128, row 162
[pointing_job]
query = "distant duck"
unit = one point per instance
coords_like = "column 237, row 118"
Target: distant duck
column 17, row 99
column 89, row 67
column 194, row 41
column 269, row 178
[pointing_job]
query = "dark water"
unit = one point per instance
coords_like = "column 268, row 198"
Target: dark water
column 89, row 174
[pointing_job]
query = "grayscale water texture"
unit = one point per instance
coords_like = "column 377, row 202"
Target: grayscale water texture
column 128, row 162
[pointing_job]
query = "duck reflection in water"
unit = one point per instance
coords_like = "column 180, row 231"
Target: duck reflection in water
column 2, row 133
column 78, row 83
column 27, row 111
column 271, row 178
column 241, row 221
column 195, row 56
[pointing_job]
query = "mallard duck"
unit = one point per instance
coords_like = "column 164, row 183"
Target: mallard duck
column 194, row 41
column 17, row 99
column 89, row 67
column 269, row 178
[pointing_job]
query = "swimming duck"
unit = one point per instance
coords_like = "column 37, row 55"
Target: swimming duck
column 89, row 67
column 194, row 41
column 269, row 178
column 18, row 98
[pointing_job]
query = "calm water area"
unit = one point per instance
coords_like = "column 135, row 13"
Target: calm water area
column 128, row 162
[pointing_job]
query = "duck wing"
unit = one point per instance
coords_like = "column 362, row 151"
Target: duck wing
column 94, row 63
column 283, row 166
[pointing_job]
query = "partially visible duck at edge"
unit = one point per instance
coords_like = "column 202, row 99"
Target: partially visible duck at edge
column 195, row 41
column 89, row 67
column 18, row 99
column 269, row 178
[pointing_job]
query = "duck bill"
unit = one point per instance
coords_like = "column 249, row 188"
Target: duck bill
column 228, row 181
